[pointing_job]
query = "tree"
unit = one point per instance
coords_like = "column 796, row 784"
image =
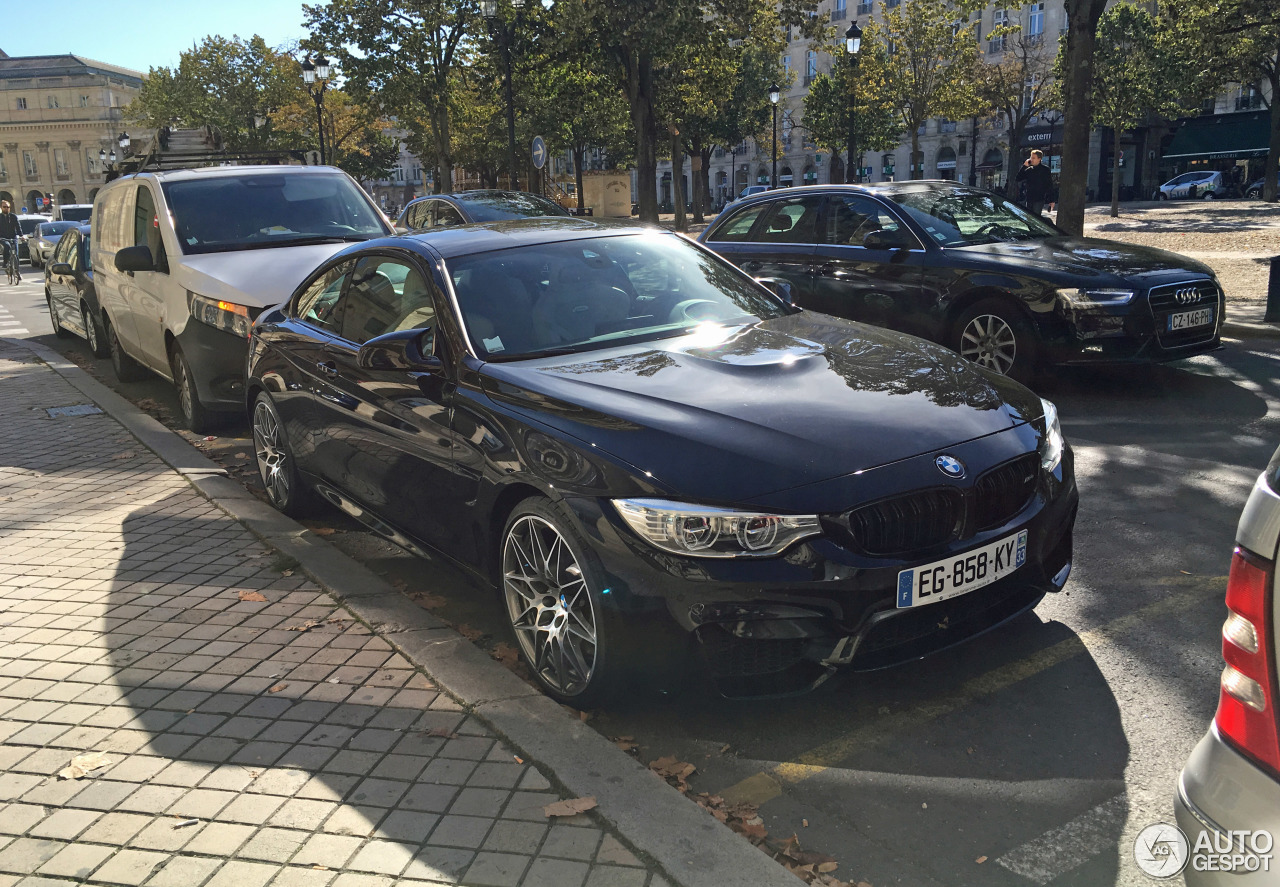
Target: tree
column 400, row 56
column 877, row 124
column 1076, row 85
column 929, row 64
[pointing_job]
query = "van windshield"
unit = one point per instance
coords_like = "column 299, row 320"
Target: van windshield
column 76, row 213
column 261, row 211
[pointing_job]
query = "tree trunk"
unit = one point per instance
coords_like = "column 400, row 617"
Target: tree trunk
column 695, row 184
column 915, row 150
column 1272, row 163
column 1077, row 91
column 639, row 89
column 579, row 152
column 1016, row 128
column 677, row 190
column 1115, row 171
column 706, row 179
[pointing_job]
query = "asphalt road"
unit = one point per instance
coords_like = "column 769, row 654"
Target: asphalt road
column 1031, row 756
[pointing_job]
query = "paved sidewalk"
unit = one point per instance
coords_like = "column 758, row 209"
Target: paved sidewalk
column 248, row 742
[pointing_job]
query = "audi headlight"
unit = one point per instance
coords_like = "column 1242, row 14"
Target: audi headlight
column 226, row 316
column 703, row 531
column 1052, row 445
column 1096, row 298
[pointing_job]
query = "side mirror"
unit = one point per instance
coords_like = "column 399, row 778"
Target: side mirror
column 409, row 350
column 778, row 286
column 887, row 239
column 135, row 258
column 401, row 229
column 61, row 268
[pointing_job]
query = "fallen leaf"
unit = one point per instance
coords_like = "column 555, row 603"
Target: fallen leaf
column 584, row 716
column 751, row 832
column 305, row 626
column 207, row 437
column 254, row 597
column 127, row 454
column 82, row 765
column 471, row 634
column 323, row 531
column 724, row 748
column 506, row 654
column 805, row 823
column 287, row 573
column 333, row 681
column 980, row 860
column 277, row 688
column 242, row 455
column 569, row 807
column 924, row 806
column 399, row 585
column 824, row 867
column 626, row 743
column 519, row 760
column 428, row 600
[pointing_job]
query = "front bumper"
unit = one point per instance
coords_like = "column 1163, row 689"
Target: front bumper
column 782, row 624
column 217, row 360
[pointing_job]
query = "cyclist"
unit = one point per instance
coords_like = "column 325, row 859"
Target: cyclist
column 9, row 232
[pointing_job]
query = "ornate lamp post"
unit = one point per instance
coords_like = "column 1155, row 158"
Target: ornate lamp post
column 108, row 161
column 315, row 74
column 504, row 34
column 852, row 43
column 774, row 95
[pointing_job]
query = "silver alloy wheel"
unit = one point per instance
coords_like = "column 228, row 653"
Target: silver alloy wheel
column 990, row 342
column 90, row 331
column 273, row 459
column 549, row 605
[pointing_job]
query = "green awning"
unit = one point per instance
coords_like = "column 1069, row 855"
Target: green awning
column 1221, row 137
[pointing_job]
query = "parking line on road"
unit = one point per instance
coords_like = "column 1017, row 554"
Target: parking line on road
column 767, row 785
column 1070, row 845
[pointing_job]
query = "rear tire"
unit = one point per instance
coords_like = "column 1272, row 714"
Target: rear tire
column 1208, row 195
column 993, row 334
column 93, row 332
column 198, row 418
column 53, row 317
column 276, row 465
column 126, row 368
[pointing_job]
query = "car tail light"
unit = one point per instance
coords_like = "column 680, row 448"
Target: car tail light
column 1247, row 702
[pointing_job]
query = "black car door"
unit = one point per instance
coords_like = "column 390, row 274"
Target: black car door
column 867, row 265
column 780, row 242
column 385, row 433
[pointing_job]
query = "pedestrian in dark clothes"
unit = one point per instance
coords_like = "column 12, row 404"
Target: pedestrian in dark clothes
column 1038, row 181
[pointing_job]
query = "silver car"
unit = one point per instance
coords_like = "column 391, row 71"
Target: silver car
column 1228, row 797
column 45, row 238
column 1207, row 185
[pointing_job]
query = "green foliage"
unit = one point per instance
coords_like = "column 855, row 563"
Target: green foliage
column 877, row 123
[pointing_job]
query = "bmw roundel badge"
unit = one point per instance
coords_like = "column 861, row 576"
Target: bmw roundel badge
column 949, row 465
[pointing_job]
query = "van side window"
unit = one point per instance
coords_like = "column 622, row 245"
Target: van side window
column 146, row 227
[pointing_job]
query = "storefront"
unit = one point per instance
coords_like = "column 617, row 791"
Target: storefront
column 991, row 170
column 1236, row 144
column 947, row 163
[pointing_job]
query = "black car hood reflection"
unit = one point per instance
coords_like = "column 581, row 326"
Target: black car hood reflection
column 1089, row 257
column 731, row 414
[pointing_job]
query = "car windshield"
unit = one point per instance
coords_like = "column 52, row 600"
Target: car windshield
column 582, row 295
column 964, row 218
column 57, row 229
column 495, row 207
column 260, row 211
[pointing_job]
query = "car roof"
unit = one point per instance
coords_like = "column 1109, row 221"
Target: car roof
column 476, row 193
column 214, row 172
column 483, row 237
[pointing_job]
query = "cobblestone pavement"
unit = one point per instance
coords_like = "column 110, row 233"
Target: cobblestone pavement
column 248, row 742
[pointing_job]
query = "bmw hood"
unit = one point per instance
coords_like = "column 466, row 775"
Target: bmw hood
column 258, row 278
column 1093, row 260
column 732, row 414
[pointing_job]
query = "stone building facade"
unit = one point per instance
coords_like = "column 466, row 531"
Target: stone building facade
column 56, row 113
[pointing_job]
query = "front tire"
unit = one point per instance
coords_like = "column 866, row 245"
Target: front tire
column 53, row 317
column 993, row 334
column 125, row 367
column 276, row 465
column 551, row 588
column 93, row 332
column 1209, row 195
column 199, row 419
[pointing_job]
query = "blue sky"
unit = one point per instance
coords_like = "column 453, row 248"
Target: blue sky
column 142, row 34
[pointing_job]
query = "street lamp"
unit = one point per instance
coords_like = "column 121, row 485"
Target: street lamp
column 852, row 43
column 317, row 72
column 504, row 34
column 774, row 95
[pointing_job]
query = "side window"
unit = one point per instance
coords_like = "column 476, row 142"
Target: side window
column 417, row 217
column 146, row 226
column 318, row 304
column 738, row 226
column 69, row 246
column 385, row 295
column 447, row 215
column 60, row 251
column 792, row 221
column 851, row 219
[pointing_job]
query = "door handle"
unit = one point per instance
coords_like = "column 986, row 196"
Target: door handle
column 327, row 367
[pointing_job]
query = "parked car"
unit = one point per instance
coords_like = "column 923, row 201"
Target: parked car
column 69, row 291
column 1231, row 783
column 73, row 212
column 1254, row 189
column 44, row 238
column 184, row 260
column 969, row 269
column 465, row 207
column 1206, row 185
column 752, row 190
column 27, row 223
column 640, row 445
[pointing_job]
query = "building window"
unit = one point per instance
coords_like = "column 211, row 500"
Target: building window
column 84, row 101
column 864, row 9
column 52, row 100
column 60, row 161
column 999, row 20
column 1035, row 23
column 21, row 103
column 786, row 66
column 839, row 10
column 29, row 165
column 810, row 66
column 4, row 172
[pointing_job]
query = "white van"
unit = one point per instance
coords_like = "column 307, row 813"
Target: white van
column 72, row 212
column 185, row 260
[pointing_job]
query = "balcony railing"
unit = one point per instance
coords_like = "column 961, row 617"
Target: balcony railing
column 892, row 3
column 1035, row 39
column 1248, row 102
column 946, row 126
column 808, row 79
column 839, row 14
column 864, row 9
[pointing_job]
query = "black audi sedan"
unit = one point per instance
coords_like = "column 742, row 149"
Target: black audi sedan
column 645, row 450
column 971, row 270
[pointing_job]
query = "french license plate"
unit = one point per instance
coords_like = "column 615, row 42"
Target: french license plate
column 963, row 573
column 1185, row 320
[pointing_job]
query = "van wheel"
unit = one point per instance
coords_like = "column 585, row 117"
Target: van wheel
column 993, row 334
column 126, row 368
column 93, row 332
column 199, row 419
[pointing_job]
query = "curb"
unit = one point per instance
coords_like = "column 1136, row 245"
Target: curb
column 1240, row 329
column 689, row 845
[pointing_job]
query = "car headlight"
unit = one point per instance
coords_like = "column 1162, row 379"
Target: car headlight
column 226, row 316
column 1052, row 445
column 1095, row 298
column 704, row 531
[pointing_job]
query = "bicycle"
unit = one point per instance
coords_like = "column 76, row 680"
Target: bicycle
column 11, row 262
